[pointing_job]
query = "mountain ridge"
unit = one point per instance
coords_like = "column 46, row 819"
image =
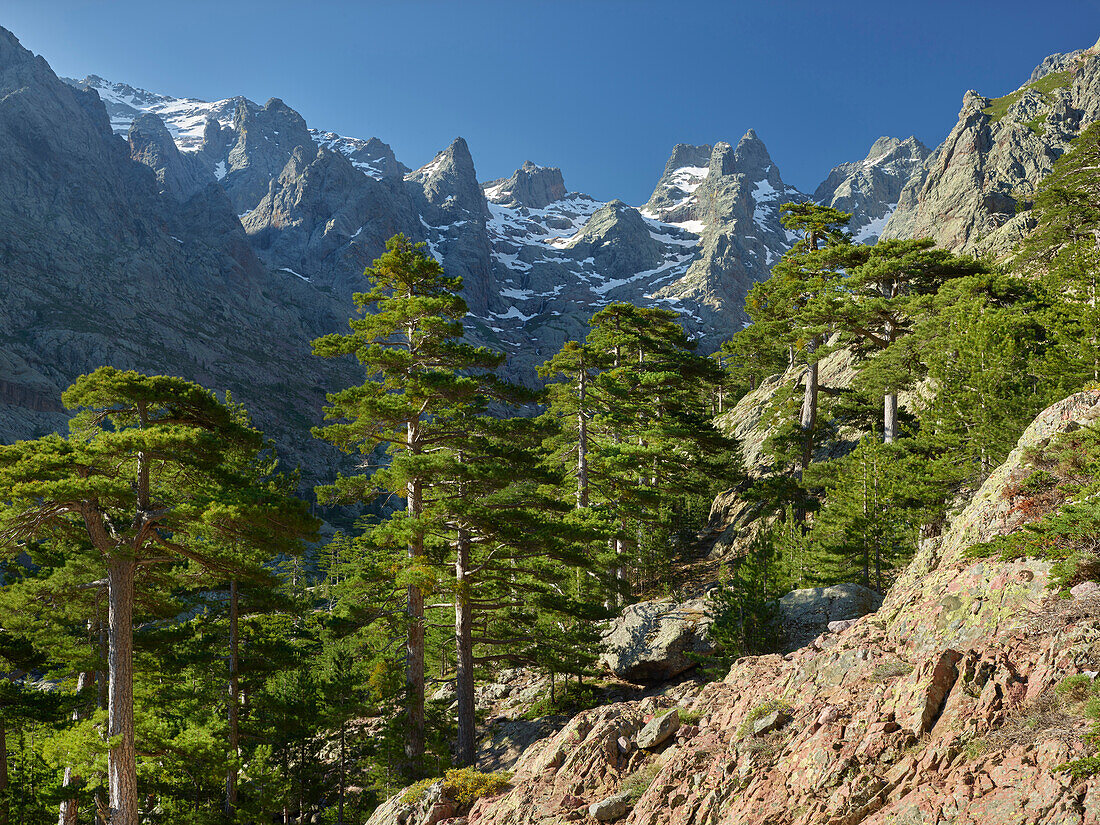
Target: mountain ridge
column 296, row 214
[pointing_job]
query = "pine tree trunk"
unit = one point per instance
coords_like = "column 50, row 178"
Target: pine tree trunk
column 101, row 690
column 808, row 420
column 866, row 539
column 582, row 442
column 464, row 648
column 121, row 759
column 890, row 418
column 414, row 645
column 70, row 808
column 233, row 715
column 5, row 809
column 101, row 675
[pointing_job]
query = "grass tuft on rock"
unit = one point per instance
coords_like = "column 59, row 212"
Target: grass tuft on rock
column 464, row 785
column 638, row 782
column 762, row 710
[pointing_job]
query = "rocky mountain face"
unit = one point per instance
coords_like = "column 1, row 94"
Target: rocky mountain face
column 137, row 264
column 296, row 213
column 870, row 189
column 940, row 707
column 732, row 202
column 970, row 189
column 536, row 259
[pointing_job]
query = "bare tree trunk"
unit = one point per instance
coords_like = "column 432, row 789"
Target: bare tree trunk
column 866, row 508
column 808, row 420
column 101, row 687
column 101, row 675
column 70, row 808
column 414, row 644
column 121, row 759
column 890, row 418
column 464, row 647
column 233, row 715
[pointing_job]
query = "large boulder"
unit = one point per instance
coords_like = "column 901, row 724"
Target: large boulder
column 658, row 640
column 803, row 615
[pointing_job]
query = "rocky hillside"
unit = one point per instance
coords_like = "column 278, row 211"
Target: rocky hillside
column 870, row 189
column 970, row 189
column 939, row 707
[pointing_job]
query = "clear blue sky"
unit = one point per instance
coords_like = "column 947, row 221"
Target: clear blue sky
column 601, row 88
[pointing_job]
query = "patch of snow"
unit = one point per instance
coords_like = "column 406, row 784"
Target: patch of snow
column 873, row 228
column 688, row 178
column 219, row 169
column 695, row 227
column 292, row 272
column 428, row 169
column 513, row 313
column 764, row 192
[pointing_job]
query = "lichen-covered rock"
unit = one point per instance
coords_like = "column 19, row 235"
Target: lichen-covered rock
column 658, row 730
column 610, row 809
column 805, row 614
column 770, row 722
column 657, row 640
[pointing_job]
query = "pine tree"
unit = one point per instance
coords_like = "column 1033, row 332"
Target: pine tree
column 802, row 295
column 883, row 289
column 513, row 554
column 748, row 358
column 1065, row 247
column 143, row 476
column 419, row 378
column 865, row 530
column 633, row 401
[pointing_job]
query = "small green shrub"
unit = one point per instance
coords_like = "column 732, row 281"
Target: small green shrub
column 1058, row 508
column 415, row 792
column 975, row 748
column 762, row 710
column 1081, row 768
column 1037, row 126
column 638, row 782
column 568, row 702
column 464, row 785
